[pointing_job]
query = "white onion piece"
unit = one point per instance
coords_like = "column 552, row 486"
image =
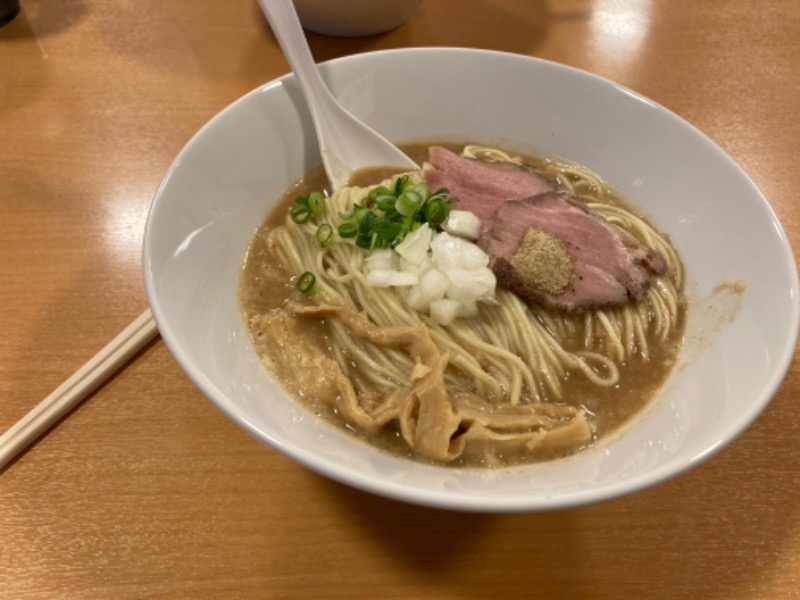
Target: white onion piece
column 420, row 268
column 434, row 283
column 388, row 278
column 432, row 286
column 451, row 252
column 383, row 260
column 435, row 273
column 444, row 311
column 471, row 285
column 414, row 248
column 463, row 223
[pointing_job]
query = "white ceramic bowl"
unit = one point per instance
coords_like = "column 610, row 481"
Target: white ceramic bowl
column 228, row 176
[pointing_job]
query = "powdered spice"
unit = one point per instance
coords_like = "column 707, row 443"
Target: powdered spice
column 543, row 261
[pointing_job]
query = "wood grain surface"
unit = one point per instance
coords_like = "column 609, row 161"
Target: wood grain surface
column 148, row 491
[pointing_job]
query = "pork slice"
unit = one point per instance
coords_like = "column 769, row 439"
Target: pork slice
column 481, row 187
column 604, row 265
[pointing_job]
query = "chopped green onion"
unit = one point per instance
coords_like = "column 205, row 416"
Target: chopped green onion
column 306, row 281
column 383, row 218
column 305, row 207
column 400, row 184
column 324, row 233
column 379, row 191
column 388, row 214
column 300, row 213
column 408, row 202
column 436, row 212
column 316, row 203
column 386, row 229
column 423, row 190
column 348, row 229
column 386, row 203
column 365, row 226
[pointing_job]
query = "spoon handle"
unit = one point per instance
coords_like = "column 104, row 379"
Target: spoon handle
column 346, row 144
column 289, row 33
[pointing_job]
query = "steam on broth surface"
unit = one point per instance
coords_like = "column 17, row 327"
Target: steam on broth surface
column 510, row 382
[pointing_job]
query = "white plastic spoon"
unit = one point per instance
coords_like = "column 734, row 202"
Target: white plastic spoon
column 346, row 144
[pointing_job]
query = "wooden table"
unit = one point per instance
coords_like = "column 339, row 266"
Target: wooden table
column 147, row 490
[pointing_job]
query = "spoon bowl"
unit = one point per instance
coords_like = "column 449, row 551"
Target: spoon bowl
column 346, row 144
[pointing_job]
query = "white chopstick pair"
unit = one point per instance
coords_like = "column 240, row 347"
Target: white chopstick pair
column 84, row 381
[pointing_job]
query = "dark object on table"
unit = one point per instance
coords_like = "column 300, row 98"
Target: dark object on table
column 8, row 10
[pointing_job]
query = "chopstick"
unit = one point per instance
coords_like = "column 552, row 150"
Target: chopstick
column 83, row 382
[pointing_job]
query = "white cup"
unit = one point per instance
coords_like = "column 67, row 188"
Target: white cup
column 353, row 18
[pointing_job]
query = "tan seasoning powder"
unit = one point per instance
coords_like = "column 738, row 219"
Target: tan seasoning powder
column 543, row 261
